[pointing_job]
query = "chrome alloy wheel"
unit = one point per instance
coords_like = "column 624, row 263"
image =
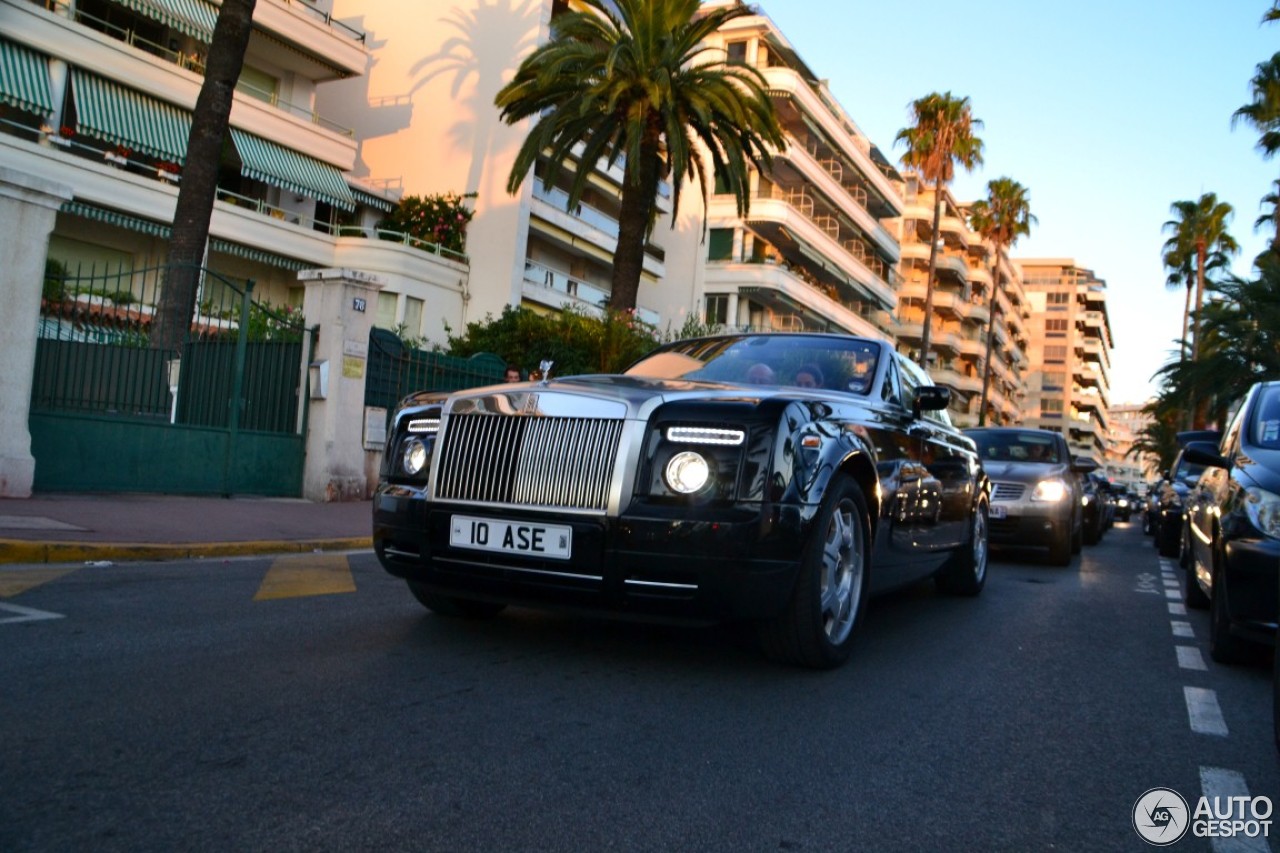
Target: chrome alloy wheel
column 843, row 571
column 980, row 544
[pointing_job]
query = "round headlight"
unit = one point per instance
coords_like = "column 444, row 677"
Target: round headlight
column 687, row 472
column 414, row 456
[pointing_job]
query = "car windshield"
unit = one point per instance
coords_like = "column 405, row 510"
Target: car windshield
column 1016, row 447
column 1189, row 472
column 1266, row 427
column 802, row 361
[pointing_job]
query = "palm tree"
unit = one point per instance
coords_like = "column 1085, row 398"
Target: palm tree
column 200, row 174
column 1272, row 14
column 632, row 81
column 1271, row 219
column 1180, row 262
column 1001, row 218
column 1263, row 113
column 940, row 138
column 1200, row 227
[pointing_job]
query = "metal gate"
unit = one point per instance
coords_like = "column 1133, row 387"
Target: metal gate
column 396, row 371
column 111, row 414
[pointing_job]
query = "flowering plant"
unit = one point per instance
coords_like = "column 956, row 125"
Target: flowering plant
column 440, row 219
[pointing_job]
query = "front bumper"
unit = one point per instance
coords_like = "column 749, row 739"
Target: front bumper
column 1029, row 524
column 1252, row 576
column 653, row 562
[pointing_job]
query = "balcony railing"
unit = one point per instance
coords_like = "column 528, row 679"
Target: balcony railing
column 589, row 295
column 328, row 19
column 193, row 61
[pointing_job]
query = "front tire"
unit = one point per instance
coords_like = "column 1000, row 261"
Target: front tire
column 1060, row 549
column 966, row 572
column 454, row 608
column 1192, row 595
column 829, row 598
column 1224, row 647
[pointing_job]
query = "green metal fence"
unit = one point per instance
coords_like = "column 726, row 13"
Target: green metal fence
column 395, row 371
column 108, row 412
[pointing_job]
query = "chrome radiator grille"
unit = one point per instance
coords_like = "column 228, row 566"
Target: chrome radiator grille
column 533, row 461
column 1007, row 491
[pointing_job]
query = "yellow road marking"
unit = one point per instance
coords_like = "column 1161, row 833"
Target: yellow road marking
column 19, row 581
column 301, row 575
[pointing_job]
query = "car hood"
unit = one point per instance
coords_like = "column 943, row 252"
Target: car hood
column 609, row 396
column 1263, row 467
column 1023, row 472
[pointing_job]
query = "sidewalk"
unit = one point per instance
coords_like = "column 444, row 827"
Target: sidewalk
column 67, row 528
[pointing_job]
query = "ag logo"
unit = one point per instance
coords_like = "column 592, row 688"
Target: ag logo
column 1161, row 817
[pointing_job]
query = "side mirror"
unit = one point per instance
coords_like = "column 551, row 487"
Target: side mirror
column 1204, row 453
column 1211, row 436
column 930, row 398
column 1083, row 464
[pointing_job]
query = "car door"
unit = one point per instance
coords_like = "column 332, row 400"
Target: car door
column 901, row 472
column 946, row 488
column 1211, row 496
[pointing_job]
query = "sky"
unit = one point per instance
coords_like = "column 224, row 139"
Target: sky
column 1108, row 111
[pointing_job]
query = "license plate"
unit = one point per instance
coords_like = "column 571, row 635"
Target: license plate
column 998, row 511
column 554, row 541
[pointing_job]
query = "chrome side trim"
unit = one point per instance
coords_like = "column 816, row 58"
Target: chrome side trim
column 659, row 584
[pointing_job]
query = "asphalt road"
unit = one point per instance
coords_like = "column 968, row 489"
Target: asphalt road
column 309, row 703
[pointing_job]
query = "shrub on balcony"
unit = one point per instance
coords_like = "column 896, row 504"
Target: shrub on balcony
column 440, row 219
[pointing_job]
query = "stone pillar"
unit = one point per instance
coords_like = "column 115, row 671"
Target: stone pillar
column 343, row 302
column 28, row 207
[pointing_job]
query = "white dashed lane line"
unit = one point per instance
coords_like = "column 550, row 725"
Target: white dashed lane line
column 1182, row 629
column 1221, row 786
column 1189, row 657
column 1204, row 712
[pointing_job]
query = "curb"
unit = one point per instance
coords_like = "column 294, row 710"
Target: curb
column 23, row 551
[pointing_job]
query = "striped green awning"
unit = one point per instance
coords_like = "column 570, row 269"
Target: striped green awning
column 195, row 18
column 115, row 217
column 24, row 79
column 280, row 167
column 260, row 255
column 373, row 201
column 125, row 117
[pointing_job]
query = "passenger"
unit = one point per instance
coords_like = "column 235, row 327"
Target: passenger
column 864, row 371
column 760, row 374
column 512, row 374
column 808, row 376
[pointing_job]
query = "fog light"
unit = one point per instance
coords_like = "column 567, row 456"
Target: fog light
column 414, row 456
column 687, row 472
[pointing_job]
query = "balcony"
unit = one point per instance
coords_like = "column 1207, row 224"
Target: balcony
column 558, row 289
column 782, row 221
column 786, row 293
column 600, row 232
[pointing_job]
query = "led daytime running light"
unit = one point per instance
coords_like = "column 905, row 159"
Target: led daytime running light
column 706, row 435
column 424, row 425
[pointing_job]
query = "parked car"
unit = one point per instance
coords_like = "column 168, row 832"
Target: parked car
column 1151, row 508
column 1234, row 527
column 1127, row 503
column 698, row 486
column 1171, row 495
column 1036, row 489
column 1099, row 507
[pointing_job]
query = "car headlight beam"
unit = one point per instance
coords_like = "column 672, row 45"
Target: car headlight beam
column 687, row 472
column 1050, row 491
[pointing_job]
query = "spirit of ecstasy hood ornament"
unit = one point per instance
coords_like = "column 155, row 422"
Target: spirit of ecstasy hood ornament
column 544, row 367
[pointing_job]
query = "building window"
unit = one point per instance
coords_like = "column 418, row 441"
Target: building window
column 717, row 310
column 1058, row 301
column 1053, row 381
column 413, row 316
column 1055, row 327
column 737, row 51
column 720, row 244
column 388, row 303
column 1051, row 408
column 1055, row 354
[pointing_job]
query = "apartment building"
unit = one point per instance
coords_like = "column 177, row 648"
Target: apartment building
column 98, row 94
column 961, row 308
column 424, row 119
column 1125, row 422
column 1069, row 379
column 812, row 254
